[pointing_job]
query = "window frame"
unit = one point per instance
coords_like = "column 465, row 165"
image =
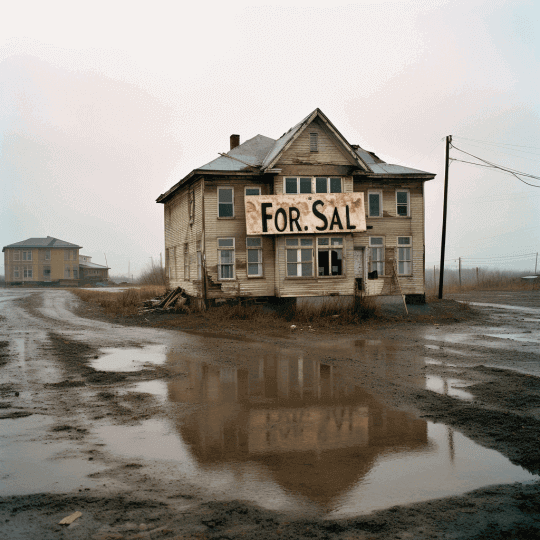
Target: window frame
column 16, row 272
column 331, row 247
column 408, row 192
column 380, row 194
column 67, row 270
column 27, row 255
column 220, row 264
column 45, row 274
column 377, row 261
column 28, row 272
column 313, row 180
column 298, row 262
column 259, row 263
column 409, row 260
column 47, row 255
column 314, row 142
column 17, row 255
column 251, row 187
column 198, row 246
column 223, row 188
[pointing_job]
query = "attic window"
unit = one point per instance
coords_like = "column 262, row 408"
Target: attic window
column 313, row 142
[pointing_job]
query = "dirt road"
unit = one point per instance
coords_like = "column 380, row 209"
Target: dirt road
column 419, row 428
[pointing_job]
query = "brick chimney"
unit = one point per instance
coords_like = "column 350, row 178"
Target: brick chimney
column 235, row 141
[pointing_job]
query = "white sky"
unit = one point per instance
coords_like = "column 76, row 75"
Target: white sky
column 104, row 106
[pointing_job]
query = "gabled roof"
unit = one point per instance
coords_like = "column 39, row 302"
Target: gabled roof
column 288, row 138
column 48, row 242
column 259, row 155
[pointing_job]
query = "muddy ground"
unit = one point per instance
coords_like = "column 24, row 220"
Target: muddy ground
column 61, row 416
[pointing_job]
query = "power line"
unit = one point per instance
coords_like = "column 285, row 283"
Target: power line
column 498, row 150
column 501, row 144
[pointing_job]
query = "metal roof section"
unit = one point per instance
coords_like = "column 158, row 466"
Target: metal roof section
column 387, row 168
column 48, row 242
column 253, row 151
column 93, row 265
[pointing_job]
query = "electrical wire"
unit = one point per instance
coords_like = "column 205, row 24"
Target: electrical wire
column 492, row 143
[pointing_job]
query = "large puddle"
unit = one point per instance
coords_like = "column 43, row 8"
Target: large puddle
column 291, row 433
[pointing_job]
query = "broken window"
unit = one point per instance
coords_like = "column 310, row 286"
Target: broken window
column 376, row 246
column 375, row 204
column 404, row 255
column 330, row 256
column 299, row 257
column 225, row 258
column 402, row 203
column 225, row 202
column 254, row 256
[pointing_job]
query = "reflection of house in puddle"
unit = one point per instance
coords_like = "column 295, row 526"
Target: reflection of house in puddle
column 317, row 433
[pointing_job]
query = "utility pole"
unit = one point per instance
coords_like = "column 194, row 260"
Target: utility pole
column 445, row 204
column 477, row 279
column 460, row 272
column 536, row 263
column 434, row 279
column 129, row 273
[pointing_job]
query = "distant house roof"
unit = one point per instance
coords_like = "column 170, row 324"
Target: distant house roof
column 93, row 265
column 48, row 242
column 259, row 154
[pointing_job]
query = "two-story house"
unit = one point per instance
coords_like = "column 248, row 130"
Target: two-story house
column 307, row 216
column 38, row 261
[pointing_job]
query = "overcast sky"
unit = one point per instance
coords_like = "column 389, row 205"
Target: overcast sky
column 104, row 106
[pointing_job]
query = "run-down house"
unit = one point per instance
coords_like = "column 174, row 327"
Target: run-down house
column 307, row 216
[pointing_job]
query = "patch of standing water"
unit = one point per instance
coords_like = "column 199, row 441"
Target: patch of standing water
column 30, row 465
column 294, row 434
column 448, row 387
column 526, row 337
column 132, row 359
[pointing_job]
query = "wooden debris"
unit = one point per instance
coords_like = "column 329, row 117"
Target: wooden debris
column 70, row 519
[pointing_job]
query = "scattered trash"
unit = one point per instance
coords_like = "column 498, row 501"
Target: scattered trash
column 70, row 519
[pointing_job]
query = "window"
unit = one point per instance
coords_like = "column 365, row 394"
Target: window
column 75, row 273
column 330, row 256
column 167, row 262
column 67, row 272
column 17, row 255
column 313, row 142
column 402, row 203
column 299, row 257
column 47, row 272
column 253, row 190
column 376, row 246
column 254, row 257
column 27, row 272
column 47, row 254
column 16, row 272
column 26, row 255
column 375, row 204
column 186, row 262
column 69, row 254
column 199, row 259
column 404, row 255
column 225, row 258
column 298, row 185
column 313, row 185
column 328, row 185
column 225, row 202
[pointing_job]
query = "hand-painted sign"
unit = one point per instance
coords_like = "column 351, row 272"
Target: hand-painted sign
column 305, row 214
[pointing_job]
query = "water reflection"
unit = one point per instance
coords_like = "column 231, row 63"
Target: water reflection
column 315, row 430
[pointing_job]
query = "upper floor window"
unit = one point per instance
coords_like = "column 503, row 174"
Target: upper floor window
column 375, row 204
column 403, row 202
column 313, row 185
column 17, row 255
column 225, row 202
column 47, row 254
column 26, row 255
column 253, row 190
column 313, row 142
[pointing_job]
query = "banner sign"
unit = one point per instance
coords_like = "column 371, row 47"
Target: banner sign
column 314, row 213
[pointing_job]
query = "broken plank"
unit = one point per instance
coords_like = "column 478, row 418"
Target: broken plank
column 70, row 519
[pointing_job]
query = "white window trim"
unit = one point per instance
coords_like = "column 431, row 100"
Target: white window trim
column 407, row 191
column 218, row 203
column 375, row 192
column 313, row 184
column 47, row 254
column 17, row 255
column 233, row 248
column 27, row 255
column 16, row 272
column 260, row 263
column 299, row 261
column 251, row 187
column 28, row 272
column 383, row 247
column 410, row 261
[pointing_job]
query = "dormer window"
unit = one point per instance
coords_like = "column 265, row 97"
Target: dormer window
column 314, row 142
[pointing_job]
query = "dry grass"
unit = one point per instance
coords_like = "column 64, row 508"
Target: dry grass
column 125, row 302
